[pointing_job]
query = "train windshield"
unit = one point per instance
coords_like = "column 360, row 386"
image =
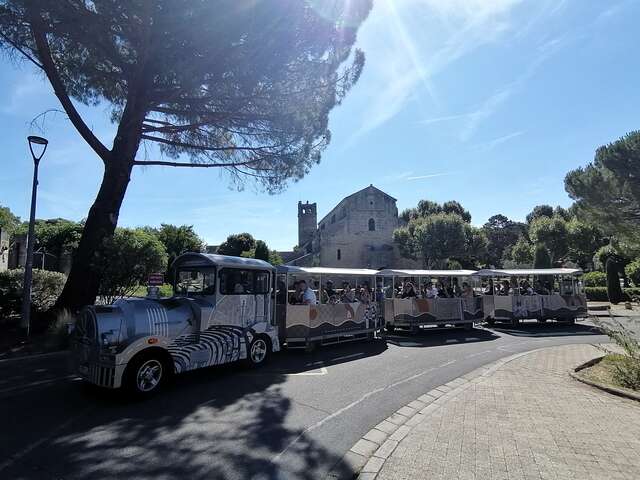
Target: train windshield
column 195, row 281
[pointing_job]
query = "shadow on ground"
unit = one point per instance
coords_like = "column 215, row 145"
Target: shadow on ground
column 435, row 337
column 546, row 329
column 217, row 423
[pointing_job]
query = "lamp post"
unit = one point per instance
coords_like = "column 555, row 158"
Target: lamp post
column 40, row 146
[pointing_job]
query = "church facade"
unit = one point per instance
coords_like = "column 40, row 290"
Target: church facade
column 356, row 233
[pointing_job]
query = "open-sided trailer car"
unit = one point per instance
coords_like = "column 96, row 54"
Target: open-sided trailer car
column 563, row 298
column 327, row 322
column 417, row 313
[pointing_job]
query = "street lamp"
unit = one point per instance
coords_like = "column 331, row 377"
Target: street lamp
column 37, row 147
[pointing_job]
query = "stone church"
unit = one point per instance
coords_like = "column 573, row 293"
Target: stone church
column 356, row 233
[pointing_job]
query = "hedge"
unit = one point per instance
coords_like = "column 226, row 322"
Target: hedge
column 595, row 279
column 599, row 294
column 45, row 289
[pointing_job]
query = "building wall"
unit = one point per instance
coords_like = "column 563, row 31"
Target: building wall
column 307, row 222
column 346, row 229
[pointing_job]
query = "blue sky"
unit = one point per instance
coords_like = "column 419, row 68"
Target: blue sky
column 488, row 102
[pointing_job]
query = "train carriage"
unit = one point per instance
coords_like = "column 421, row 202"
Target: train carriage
column 537, row 294
column 423, row 311
column 337, row 316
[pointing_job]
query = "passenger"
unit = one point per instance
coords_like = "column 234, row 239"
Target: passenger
column 365, row 295
column 329, row 293
column 238, row 289
column 308, row 296
column 432, row 291
column 505, row 288
column 408, row 291
column 539, row 288
column 296, row 295
column 488, row 290
column 526, row 288
column 347, row 295
column 442, row 292
column 455, row 289
column 467, row 291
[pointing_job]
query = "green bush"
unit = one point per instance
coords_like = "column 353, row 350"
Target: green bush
column 627, row 371
column 633, row 272
column 595, row 279
column 45, row 289
column 599, row 294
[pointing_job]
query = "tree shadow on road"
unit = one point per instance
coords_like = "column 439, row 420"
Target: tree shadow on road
column 437, row 337
column 216, row 423
column 546, row 329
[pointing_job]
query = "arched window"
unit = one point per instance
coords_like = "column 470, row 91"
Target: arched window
column 372, row 225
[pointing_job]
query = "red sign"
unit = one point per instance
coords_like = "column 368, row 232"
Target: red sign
column 155, row 279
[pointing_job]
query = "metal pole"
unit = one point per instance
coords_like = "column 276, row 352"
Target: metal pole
column 28, row 267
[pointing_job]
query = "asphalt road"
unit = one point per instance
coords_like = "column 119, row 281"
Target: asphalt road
column 294, row 418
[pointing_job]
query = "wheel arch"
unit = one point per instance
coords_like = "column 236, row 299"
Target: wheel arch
column 158, row 352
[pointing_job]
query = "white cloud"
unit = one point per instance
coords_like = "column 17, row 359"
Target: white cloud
column 491, row 144
column 431, row 175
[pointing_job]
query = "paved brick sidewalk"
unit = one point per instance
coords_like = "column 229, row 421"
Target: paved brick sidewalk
column 527, row 419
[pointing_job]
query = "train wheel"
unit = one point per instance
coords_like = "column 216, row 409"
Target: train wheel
column 145, row 375
column 389, row 328
column 259, row 351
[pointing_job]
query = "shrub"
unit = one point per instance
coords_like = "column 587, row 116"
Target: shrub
column 627, row 369
column 57, row 335
column 633, row 272
column 595, row 279
column 45, row 289
column 599, row 294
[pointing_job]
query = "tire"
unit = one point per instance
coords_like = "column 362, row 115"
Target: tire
column 259, row 351
column 145, row 375
column 491, row 321
column 390, row 328
column 515, row 322
column 468, row 326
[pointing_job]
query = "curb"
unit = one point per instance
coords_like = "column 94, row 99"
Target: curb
column 367, row 456
column 37, row 356
column 601, row 386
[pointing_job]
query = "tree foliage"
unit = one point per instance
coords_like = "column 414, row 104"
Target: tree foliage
column 501, row 233
column 56, row 236
column 540, row 211
column 552, row 233
column 633, row 272
column 608, row 189
column 129, row 257
column 521, row 253
column 614, row 291
column 8, row 221
column 244, row 86
column 583, row 240
column 541, row 257
column 178, row 240
column 236, row 244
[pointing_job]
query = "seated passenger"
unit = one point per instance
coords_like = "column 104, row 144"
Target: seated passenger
column 308, row 296
column 295, row 297
column 539, row 288
column 408, row 291
column 467, row 291
column 328, row 293
column 505, row 288
column 488, row 290
column 347, row 295
column 239, row 288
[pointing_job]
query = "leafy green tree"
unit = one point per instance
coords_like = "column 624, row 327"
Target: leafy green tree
column 428, row 207
column 178, row 240
column 8, row 221
column 261, row 251
column 239, row 85
column 275, row 258
column 56, row 236
column 540, row 211
column 501, row 233
column 476, row 247
column 453, row 206
column 236, row 244
column 595, row 279
column 614, row 292
column 128, row 259
column 521, row 253
column 552, row 233
column 608, row 189
column 541, row 257
column 584, row 239
column 435, row 239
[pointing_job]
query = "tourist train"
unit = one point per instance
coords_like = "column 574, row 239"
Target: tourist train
column 227, row 309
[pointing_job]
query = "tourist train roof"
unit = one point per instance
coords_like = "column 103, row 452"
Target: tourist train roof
column 528, row 271
column 209, row 259
column 292, row 269
column 425, row 273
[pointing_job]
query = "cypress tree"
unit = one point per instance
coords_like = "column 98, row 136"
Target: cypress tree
column 614, row 292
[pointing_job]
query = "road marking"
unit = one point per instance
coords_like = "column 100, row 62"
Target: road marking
column 29, row 448
column 39, row 383
column 342, row 410
column 478, row 354
column 353, row 355
column 323, row 371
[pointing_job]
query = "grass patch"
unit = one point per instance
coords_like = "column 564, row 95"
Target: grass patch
column 607, row 372
column 166, row 290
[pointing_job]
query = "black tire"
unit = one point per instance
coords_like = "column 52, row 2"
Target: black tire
column 515, row 322
column 390, row 328
column 491, row 321
column 145, row 375
column 259, row 351
column 468, row 326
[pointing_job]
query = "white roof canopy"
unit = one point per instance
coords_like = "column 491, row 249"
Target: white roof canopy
column 529, row 271
column 426, row 273
column 294, row 270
